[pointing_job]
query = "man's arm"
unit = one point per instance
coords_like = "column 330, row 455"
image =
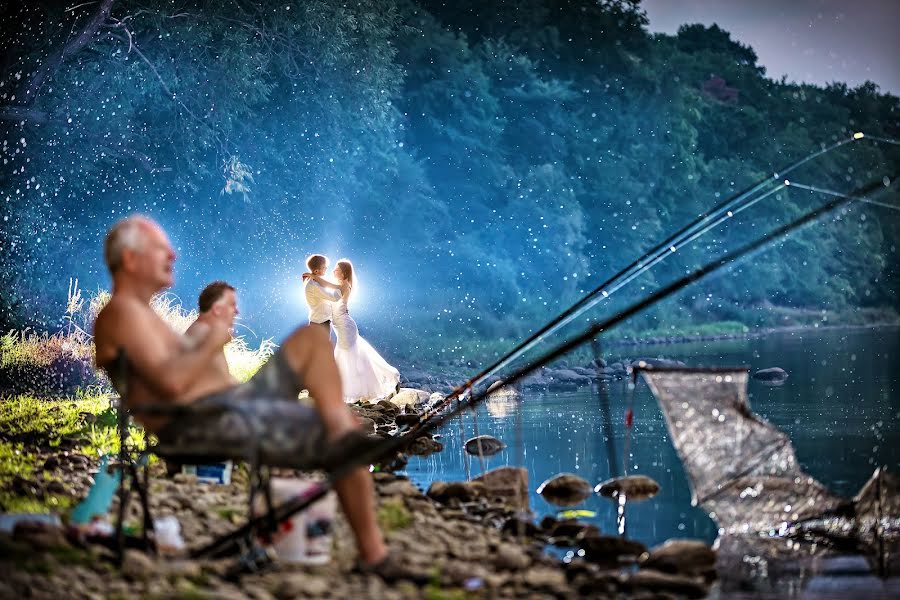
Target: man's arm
column 324, row 282
column 124, row 325
column 319, row 293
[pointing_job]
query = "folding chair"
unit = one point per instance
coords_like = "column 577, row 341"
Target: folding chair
column 133, row 463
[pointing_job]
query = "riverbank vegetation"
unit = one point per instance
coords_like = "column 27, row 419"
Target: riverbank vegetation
column 483, row 168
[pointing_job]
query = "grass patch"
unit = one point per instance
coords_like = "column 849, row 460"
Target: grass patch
column 696, row 329
column 24, row 348
column 36, row 420
column 393, row 515
column 435, row 592
column 14, row 460
column 230, row 513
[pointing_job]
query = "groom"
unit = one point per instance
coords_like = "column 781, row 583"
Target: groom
column 318, row 298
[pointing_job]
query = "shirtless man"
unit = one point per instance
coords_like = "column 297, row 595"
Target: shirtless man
column 165, row 366
column 217, row 304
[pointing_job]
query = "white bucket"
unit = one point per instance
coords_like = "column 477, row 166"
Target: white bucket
column 306, row 537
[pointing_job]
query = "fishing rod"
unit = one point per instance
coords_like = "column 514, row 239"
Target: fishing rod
column 389, row 445
column 700, row 225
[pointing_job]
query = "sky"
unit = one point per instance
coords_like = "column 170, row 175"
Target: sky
column 810, row 41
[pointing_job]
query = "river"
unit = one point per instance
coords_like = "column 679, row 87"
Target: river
column 840, row 406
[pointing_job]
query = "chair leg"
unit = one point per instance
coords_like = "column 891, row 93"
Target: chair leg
column 265, row 484
column 141, row 484
column 124, row 495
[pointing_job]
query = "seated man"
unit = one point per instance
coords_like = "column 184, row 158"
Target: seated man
column 165, row 366
column 217, row 304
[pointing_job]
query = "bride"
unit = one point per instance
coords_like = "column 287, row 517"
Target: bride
column 365, row 375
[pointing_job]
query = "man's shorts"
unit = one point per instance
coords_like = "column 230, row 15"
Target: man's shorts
column 264, row 411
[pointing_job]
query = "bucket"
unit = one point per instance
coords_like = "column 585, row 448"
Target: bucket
column 306, row 537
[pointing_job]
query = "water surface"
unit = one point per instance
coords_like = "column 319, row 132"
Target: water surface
column 839, row 406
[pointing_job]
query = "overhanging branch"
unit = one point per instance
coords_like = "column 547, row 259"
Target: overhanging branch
column 33, row 86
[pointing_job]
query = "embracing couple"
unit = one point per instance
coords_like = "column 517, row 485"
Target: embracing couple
column 364, row 373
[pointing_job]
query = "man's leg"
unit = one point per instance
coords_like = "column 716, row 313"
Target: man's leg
column 308, row 352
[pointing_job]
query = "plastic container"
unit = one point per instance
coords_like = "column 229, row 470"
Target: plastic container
column 306, row 537
column 214, row 473
column 168, row 535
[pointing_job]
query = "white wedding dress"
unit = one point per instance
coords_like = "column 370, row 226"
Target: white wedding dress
column 364, row 374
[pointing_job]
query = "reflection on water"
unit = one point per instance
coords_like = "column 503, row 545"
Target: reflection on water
column 839, row 406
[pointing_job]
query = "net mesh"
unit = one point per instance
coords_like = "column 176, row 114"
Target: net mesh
column 742, row 470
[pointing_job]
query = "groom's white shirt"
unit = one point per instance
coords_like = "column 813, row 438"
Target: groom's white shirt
column 320, row 302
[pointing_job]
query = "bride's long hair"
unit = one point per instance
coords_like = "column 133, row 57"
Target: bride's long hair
column 346, row 268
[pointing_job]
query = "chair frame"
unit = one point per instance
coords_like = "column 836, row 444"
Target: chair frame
column 133, row 466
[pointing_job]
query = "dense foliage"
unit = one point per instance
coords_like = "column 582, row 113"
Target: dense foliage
column 484, row 163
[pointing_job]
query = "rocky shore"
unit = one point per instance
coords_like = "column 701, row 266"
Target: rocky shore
column 560, row 377
column 472, row 539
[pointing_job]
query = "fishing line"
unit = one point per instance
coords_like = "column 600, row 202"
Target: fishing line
column 394, row 444
column 828, row 192
column 728, row 207
column 674, row 247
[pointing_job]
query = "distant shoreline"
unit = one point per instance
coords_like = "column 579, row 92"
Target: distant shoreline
column 687, row 339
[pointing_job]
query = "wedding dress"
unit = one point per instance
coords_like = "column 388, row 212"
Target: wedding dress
column 364, row 374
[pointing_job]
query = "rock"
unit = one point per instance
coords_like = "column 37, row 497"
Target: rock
column 495, row 385
column 400, row 487
column 185, row 478
column 567, row 531
column 610, row 550
column 565, row 489
column 570, row 376
column 655, row 581
column 181, row 500
column 256, row 592
column 518, row 526
column 464, row 491
column 682, row 557
column 771, row 376
column 633, row 487
column 190, row 569
column 548, row 523
column 51, row 463
column 548, row 579
column 586, row 372
column 484, row 445
column 366, row 424
column 406, row 420
column 534, row 381
column 386, row 407
column 507, row 486
column 136, row 565
column 409, row 397
column 458, row 572
column 564, row 380
column 598, row 362
column 659, row 363
column 39, row 535
column 511, row 558
column 424, row 445
column 302, row 585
